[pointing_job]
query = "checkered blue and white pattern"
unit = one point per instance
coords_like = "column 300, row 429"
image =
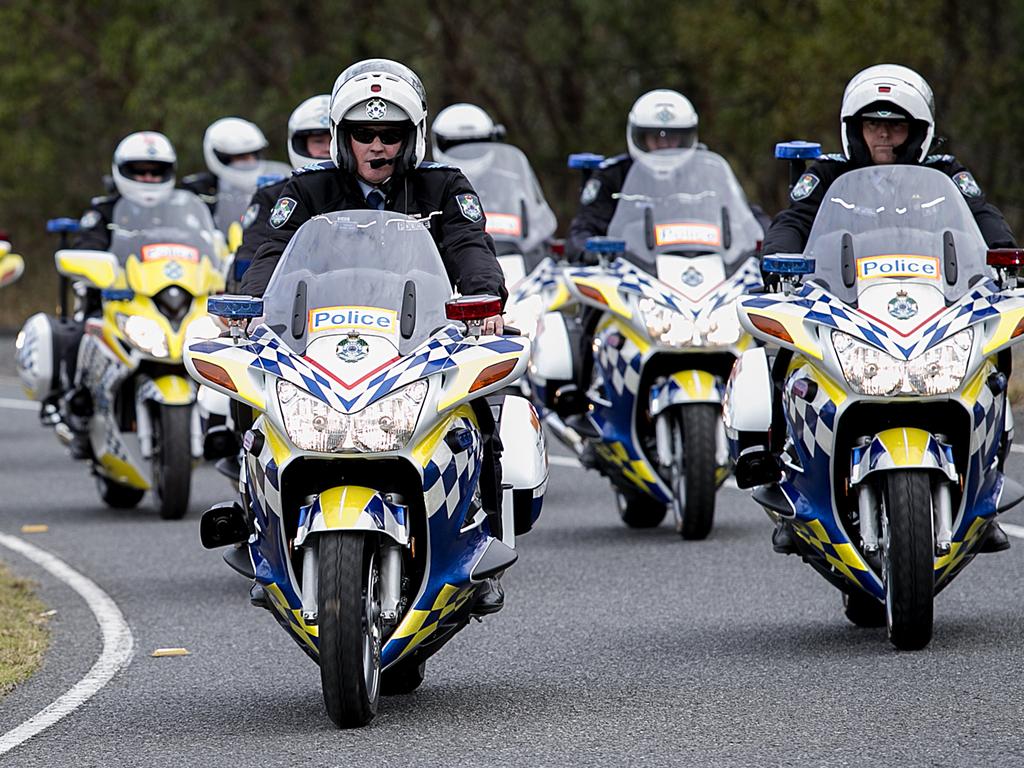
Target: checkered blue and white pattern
column 450, row 478
column 618, row 360
column 812, row 424
column 819, row 306
column 545, row 278
column 445, row 350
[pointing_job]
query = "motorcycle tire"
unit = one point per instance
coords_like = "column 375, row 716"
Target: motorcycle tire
column 639, row 510
column 863, row 611
column 350, row 630
column 402, row 678
column 695, row 484
column 172, row 459
column 118, row 496
column 909, row 559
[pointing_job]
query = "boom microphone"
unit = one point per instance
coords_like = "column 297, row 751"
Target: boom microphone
column 380, row 162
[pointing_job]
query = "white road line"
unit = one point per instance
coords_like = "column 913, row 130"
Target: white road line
column 1017, row 449
column 18, row 405
column 118, row 643
column 1017, row 531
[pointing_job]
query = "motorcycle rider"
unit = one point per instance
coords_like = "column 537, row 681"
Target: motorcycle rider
column 232, row 148
column 378, row 117
column 462, row 123
column 887, row 116
column 309, row 140
column 143, row 171
column 659, row 120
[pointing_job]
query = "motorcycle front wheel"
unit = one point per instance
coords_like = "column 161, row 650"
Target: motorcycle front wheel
column 909, row 567
column 172, row 459
column 694, row 434
column 350, row 628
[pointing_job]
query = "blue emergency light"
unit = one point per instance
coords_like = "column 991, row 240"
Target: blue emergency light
column 797, row 150
column 787, row 265
column 235, row 307
column 117, row 294
column 604, row 245
column 62, row 225
column 585, row 161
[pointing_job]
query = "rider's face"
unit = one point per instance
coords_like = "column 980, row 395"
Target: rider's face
column 369, row 146
column 318, row 145
column 662, row 140
column 882, row 137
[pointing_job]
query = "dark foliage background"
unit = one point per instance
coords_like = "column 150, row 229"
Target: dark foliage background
column 560, row 74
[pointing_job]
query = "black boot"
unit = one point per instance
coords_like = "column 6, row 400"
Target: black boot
column 995, row 539
column 782, row 539
column 491, row 599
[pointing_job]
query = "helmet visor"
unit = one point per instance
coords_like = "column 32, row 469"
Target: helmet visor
column 147, row 171
column 321, row 143
column 247, row 160
column 649, row 139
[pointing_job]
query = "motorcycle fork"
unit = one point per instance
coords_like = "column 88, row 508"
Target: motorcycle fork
column 868, row 509
column 391, row 580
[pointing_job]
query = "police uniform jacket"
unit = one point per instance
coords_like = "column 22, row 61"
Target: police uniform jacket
column 465, row 247
column 255, row 227
column 205, row 185
column 791, row 227
column 94, row 226
column 597, row 206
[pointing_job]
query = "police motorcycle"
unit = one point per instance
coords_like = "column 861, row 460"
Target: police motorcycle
column 518, row 217
column 371, row 514
column 894, row 339
column 12, row 266
column 143, row 433
column 659, row 306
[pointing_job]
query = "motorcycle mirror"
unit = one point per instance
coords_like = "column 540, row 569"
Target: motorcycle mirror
column 235, row 307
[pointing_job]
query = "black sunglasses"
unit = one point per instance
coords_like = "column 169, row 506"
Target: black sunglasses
column 365, row 135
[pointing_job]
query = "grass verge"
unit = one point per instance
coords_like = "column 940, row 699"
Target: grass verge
column 24, row 635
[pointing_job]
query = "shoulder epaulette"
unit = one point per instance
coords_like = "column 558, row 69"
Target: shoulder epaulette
column 192, row 178
column 939, row 159
column 836, row 157
column 102, row 199
column 608, row 162
column 430, row 164
column 269, row 181
column 323, row 165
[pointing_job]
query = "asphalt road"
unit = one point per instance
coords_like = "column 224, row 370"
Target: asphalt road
column 616, row 647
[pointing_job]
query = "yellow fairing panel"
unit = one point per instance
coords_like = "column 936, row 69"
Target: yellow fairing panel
column 175, row 390
column 608, row 288
column 698, row 385
column 151, row 277
column 425, row 449
column 123, row 472
column 96, row 267
column 11, row 268
column 906, row 446
column 342, row 506
column 419, row 625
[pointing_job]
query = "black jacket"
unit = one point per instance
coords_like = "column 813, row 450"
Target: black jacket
column 791, row 227
column 597, row 206
column 205, row 185
column 466, row 249
column 255, row 229
column 94, row 226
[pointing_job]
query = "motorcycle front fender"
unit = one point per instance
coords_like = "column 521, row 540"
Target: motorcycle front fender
column 901, row 448
column 169, row 390
column 353, row 508
column 684, row 387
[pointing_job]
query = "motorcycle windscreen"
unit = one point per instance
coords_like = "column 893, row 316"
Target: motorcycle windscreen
column 900, row 223
column 359, row 272
column 688, row 203
column 513, row 202
column 232, row 201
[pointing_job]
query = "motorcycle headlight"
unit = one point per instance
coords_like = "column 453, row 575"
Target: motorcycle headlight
column 203, row 327
column 870, row 371
column 722, row 328
column 665, row 325
column 144, row 333
column 943, row 367
column 387, row 425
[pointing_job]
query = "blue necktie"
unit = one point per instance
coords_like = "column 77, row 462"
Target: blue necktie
column 375, row 199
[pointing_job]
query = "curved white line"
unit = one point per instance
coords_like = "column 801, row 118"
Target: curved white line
column 18, row 405
column 118, row 643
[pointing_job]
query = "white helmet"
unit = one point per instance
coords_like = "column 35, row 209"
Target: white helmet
column 227, row 138
column 661, row 115
column 146, row 150
column 379, row 91
column 893, row 92
column 460, row 124
column 311, row 116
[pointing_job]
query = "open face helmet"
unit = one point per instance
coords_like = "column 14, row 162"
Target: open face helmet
column 462, row 124
column 888, row 92
column 379, row 92
column 662, row 124
column 227, row 139
column 311, row 117
column 143, row 168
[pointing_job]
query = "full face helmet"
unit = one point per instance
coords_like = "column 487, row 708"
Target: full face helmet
column 228, row 139
column 313, row 116
column 888, row 92
column 662, row 126
column 143, row 168
column 379, row 92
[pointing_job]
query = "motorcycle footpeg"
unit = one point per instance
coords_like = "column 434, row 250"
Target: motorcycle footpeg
column 223, row 524
column 757, row 466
